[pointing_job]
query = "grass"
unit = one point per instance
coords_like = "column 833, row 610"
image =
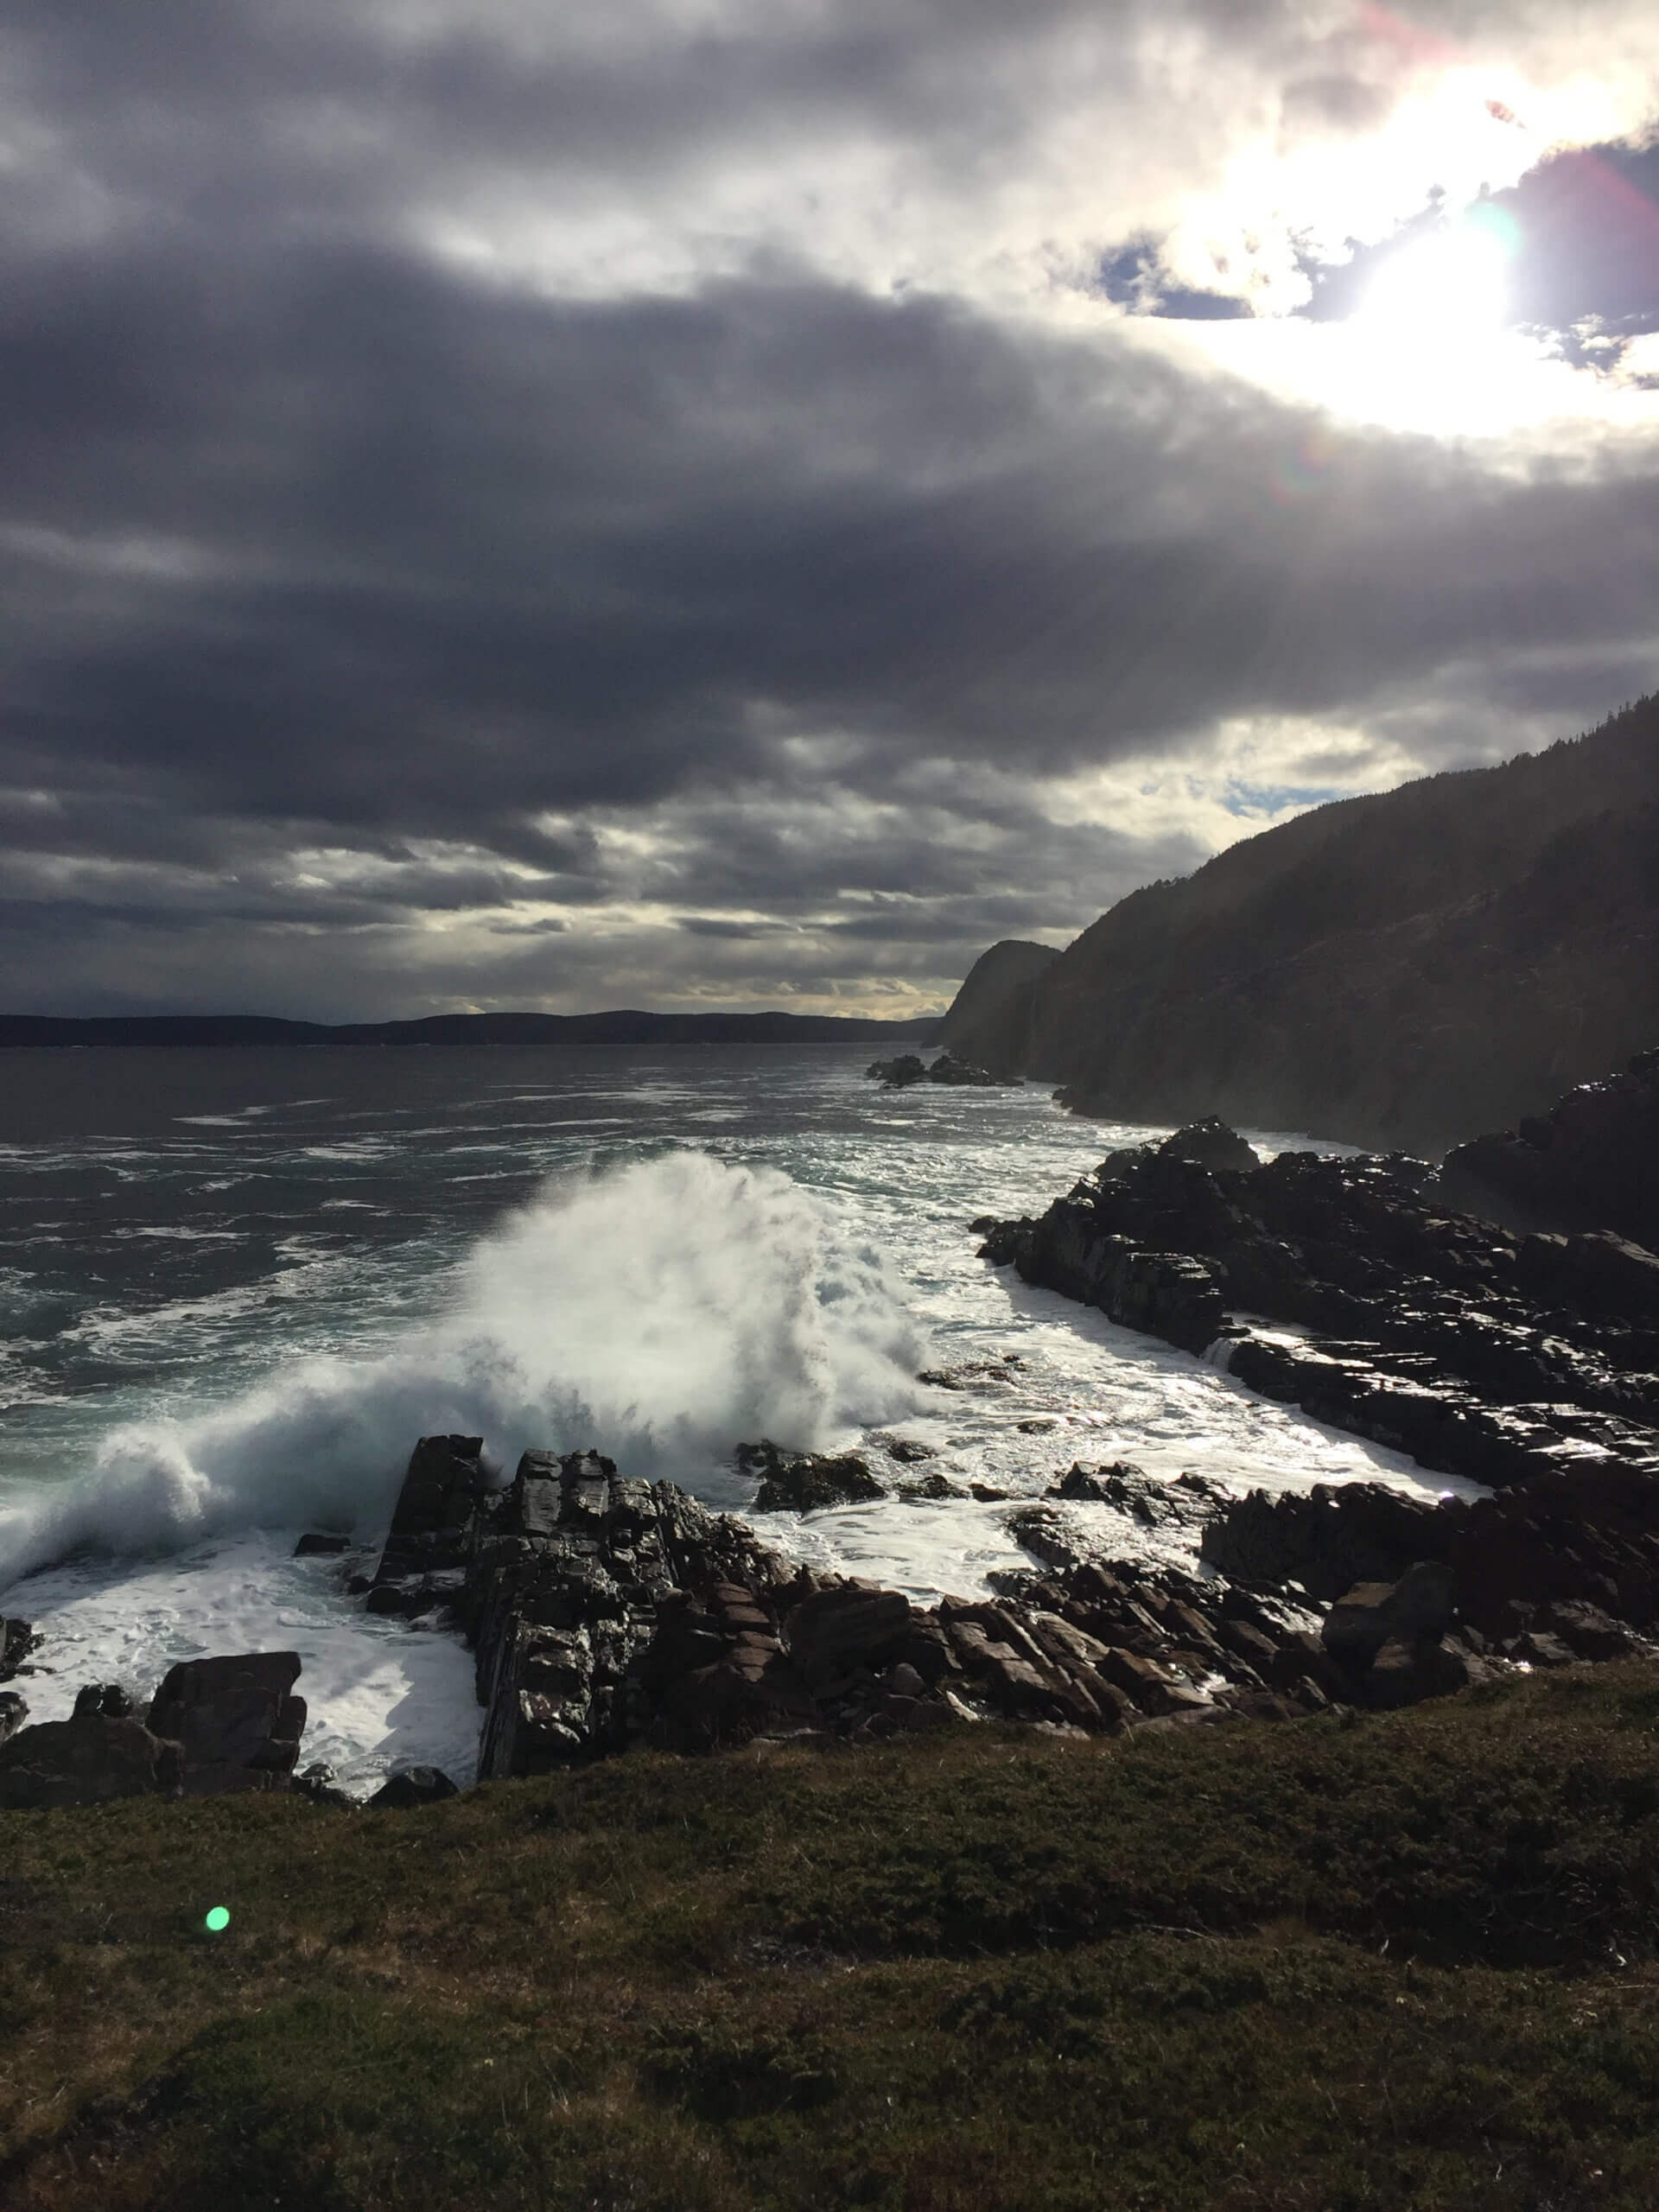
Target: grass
column 1411, row 1961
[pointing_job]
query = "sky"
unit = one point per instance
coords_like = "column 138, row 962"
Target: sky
column 743, row 503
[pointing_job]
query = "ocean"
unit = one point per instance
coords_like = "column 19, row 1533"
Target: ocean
column 238, row 1284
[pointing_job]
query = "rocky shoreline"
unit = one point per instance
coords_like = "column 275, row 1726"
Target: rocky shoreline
column 607, row 1613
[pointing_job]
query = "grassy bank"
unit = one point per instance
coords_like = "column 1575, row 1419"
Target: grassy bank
column 1407, row 1961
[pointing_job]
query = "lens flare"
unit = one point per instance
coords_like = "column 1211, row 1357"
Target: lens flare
column 218, row 1920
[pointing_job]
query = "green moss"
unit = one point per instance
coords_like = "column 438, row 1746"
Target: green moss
column 1409, row 1963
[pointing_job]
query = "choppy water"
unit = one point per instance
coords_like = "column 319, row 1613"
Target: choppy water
column 237, row 1285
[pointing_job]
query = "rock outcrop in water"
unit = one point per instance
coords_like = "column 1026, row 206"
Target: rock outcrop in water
column 606, row 1612
column 1403, row 1322
column 908, row 1068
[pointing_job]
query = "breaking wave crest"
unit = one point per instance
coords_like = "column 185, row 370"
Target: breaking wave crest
column 662, row 1311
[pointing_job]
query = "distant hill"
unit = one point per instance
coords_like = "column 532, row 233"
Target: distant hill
column 624, row 1027
column 1405, row 969
column 1012, row 966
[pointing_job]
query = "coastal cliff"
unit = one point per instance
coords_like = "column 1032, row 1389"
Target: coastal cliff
column 1404, row 970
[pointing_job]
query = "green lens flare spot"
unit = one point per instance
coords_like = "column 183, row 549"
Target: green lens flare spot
column 219, row 1920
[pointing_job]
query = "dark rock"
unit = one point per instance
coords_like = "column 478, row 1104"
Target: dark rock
column 1587, row 1631
column 1596, row 1274
column 1211, row 1144
column 113, row 1699
column 898, row 1073
column 908, row 1452
column 315, row 1542
column 852, row 1624
column 1418, row 1607
column 1327, row 1539
column 1407, row 1671
column 90, row 1760
column 234, row 1718
column 320, row 1784
column 14, row 1711
column 1539, row 1648
column 410, row 1788
column 1590, row 1163
column 934, row 1485
column 425, row 1556
column 17, row 1640
column 948, row 1069
column 973, row 1374
column 806, row 1482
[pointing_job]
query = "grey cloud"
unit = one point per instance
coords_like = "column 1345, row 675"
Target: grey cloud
column 310, row 540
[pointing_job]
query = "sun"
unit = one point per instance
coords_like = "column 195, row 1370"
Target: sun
column 1447, row 289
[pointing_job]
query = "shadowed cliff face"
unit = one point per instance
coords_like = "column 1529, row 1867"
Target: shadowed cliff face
column 996, row 997
column 1406, row 970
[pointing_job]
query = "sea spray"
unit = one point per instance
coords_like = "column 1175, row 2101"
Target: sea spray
column 661, row 1309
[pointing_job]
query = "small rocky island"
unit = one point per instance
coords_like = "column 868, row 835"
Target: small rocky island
column 909, row 1068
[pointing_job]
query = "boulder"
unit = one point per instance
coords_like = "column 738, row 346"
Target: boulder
column 1416, row 1609
column 233, row 1718
column 1407, row 1671
column 898, row 1072
column 17, row 1640
column 89, row 1760
column 14, row 1711
column 806, row 1482
column 850, row 1624
column 319, row 1543
column 948, row 1069
column 411, row 1787
column 1211, row 1144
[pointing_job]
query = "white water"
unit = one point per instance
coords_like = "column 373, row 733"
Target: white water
column 787, row 1278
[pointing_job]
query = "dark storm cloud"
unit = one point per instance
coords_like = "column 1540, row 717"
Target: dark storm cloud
column 350, row 586
column 456, row 556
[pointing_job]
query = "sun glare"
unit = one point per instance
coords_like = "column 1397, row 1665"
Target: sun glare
column 1442, row 289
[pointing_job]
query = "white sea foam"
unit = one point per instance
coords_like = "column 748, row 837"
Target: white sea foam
column 665, row 1309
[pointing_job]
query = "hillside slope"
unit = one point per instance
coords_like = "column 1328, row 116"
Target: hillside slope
column 1403, row 969
column 1011, row 965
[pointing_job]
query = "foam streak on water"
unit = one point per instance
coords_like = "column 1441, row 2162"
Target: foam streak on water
column 240, row 1292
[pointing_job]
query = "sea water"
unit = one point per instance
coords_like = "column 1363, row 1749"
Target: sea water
column 236, row 1286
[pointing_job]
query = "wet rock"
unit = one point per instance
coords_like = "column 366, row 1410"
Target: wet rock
column 423, row 1563
column 960, row 1074
column 806, row 1482
column 410, row 1788
column 1430, row 1333
column 321, row 1784
column 14, row 1711
column 235, row 1719
column 974, row 1374
column 899, row 1072
column 319, row 1543
column 17, row 1640
column 908, row 1452
column 934, row 1485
